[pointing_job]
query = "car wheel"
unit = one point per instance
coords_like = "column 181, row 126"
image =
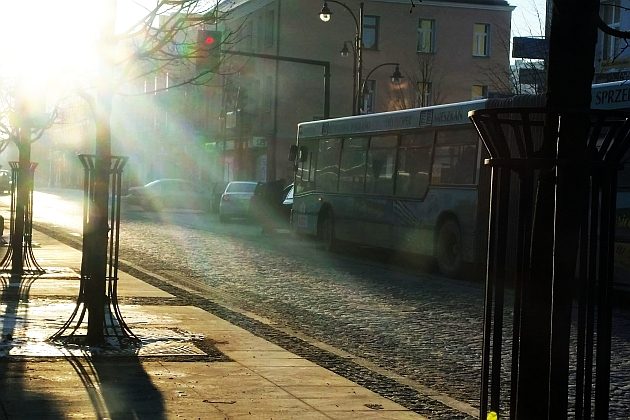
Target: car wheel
column 327, row 231
column 449, row 249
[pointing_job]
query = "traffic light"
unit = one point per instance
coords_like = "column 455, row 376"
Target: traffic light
column 208, row 55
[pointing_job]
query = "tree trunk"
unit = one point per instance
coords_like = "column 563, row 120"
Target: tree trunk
column 547, row 298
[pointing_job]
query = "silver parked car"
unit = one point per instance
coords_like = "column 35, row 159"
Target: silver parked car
column 235, row 200
column 170, row 194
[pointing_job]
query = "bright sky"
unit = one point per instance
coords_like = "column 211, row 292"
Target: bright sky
column 58, row 38
column 528, row 19
column 41, row 36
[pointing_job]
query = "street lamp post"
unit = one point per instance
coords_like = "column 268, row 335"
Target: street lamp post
column 325, row 16
column 396, row 76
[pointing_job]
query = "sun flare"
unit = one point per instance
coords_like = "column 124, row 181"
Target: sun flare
column 44, row 41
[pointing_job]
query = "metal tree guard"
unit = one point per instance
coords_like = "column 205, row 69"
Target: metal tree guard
column 514, row 139
column 114, row 325
column 27, row 264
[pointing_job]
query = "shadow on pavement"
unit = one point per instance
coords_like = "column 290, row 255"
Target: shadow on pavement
column 43, row 387
column 17, row 399
column 119, row 388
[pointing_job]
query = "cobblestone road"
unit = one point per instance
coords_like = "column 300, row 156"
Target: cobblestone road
column 422, row 327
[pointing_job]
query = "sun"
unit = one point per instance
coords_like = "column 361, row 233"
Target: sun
column 43, row 41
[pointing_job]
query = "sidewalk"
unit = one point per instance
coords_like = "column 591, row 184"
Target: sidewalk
column 192, row 364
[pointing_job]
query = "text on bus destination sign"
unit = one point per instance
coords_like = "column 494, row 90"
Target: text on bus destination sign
column 450, row 116
column 611, row 96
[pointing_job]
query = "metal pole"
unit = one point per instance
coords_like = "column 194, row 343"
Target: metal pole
column 325, row 64
column 359, row 48
column 327, row 90
column 358, row 55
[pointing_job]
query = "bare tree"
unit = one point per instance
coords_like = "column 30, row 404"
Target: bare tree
column 423, row 85
column 163, row 40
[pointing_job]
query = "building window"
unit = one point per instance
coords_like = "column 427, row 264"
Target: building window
column 269, row 28
column 424, row 94
column 479, row 92
column 426, row 36
column 368, row 99
column 481, row 40
column 611, row 14
column 370, row 32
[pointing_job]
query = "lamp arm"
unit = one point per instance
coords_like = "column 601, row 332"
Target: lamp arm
column 372, row 71
column 356, row 21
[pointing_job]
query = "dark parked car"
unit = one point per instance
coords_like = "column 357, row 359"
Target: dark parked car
column 5, row 181
column 272, row 204
column 170, row 194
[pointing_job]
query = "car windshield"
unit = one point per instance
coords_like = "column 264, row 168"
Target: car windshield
column 241, row 187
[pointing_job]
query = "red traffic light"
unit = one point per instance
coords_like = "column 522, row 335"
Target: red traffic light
column 208, row 50
column 209, row 40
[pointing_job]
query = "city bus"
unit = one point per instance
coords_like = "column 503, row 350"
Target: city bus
column 409, row 181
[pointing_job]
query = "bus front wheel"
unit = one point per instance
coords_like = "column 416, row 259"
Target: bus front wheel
column 449, row 249
column 327, row 231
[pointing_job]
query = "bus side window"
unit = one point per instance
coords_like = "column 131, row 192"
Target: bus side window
column 327, row 172
column 305, row 175
column 380, row 165
column 353, row 165
column 455, row 158
column 414, row 164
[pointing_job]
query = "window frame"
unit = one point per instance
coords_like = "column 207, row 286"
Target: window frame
column 611, row 46
column 368, row 28
column 481, row 39
column 422, row 32
column 484, row 92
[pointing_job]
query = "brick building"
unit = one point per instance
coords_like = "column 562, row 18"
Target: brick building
column 447, row 52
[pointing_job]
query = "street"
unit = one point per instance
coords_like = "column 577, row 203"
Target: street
column 419, row 332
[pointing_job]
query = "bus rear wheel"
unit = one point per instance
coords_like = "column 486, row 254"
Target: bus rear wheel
column 327, row 231
column 449, row 249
